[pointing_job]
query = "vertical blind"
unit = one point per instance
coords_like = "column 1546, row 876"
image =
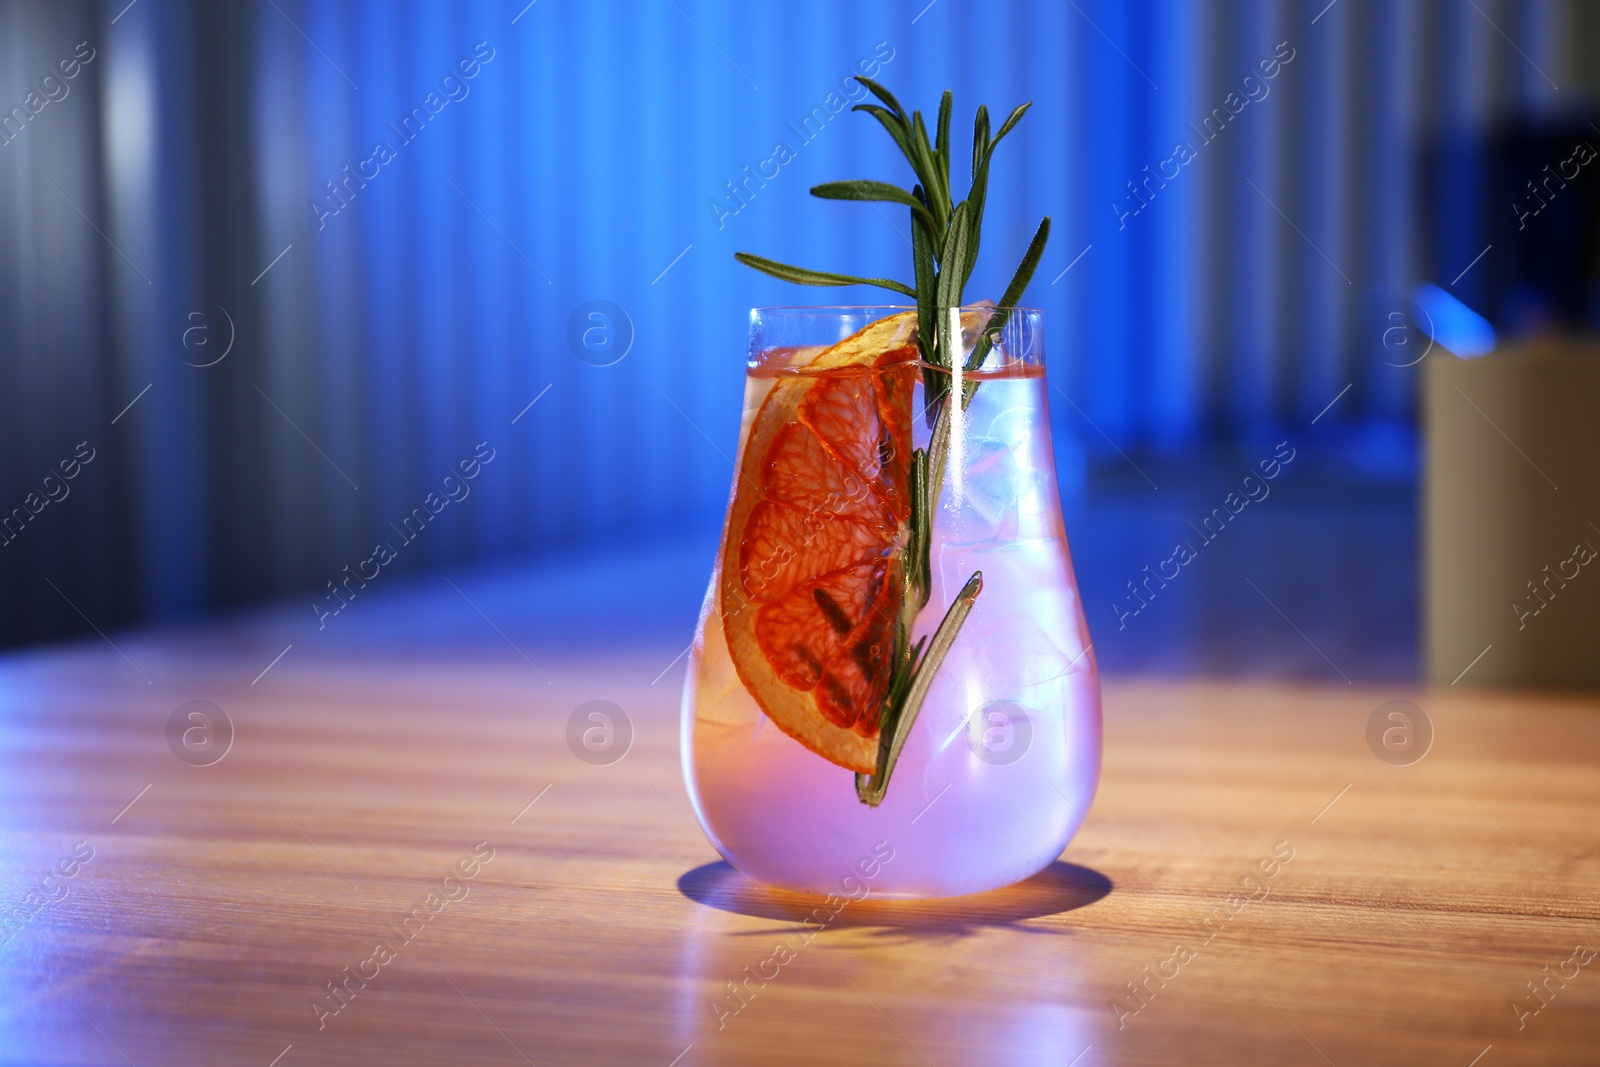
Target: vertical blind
column 404, row 217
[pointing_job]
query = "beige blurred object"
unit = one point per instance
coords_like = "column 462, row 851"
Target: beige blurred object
column 1512, row 517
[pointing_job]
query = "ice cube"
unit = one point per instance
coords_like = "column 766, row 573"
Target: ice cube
column 996, row 478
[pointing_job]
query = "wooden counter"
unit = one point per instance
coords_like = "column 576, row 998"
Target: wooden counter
column 221, row 900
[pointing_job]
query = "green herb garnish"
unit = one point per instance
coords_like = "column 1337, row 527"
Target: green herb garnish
column 944, row 249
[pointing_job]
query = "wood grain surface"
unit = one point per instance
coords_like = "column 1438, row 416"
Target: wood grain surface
column 221, row 900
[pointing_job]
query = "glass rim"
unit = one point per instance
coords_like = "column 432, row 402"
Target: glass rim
column 858, row 308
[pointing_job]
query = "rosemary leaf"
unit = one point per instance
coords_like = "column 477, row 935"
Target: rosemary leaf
column 863, row 189
column 1005, row 128
column 922, row 503
column 1013, row 293
column 922, row 262
column 978, row 192
column 949, row 291
column 899, row 129
column 870, row 788
column 936, row 184
column 938, row 453
column 980, row 143
column 1029, row 264
column 975, row 198
column 941, row 143
column 885, row 95
column 922, row 238
column 802, row 276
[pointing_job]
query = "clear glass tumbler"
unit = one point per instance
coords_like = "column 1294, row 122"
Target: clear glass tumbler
column 829, row 538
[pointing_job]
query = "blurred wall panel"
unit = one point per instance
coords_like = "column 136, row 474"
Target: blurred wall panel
column 65, row 549
column 406, row 222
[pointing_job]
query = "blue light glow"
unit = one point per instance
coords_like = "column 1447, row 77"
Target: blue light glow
column 1451, row 323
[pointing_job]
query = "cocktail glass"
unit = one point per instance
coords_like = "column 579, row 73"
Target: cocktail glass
column 1001, row 762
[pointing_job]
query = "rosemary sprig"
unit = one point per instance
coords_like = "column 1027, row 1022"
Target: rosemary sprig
column 944, row 249
column 802, row 276
column 892, row 738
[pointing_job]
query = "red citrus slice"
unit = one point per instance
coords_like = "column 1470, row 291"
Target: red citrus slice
column 811, row 568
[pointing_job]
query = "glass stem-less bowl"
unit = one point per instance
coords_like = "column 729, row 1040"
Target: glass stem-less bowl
column 1000, row 764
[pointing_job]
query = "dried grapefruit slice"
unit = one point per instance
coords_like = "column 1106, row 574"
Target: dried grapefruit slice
column 811, row 568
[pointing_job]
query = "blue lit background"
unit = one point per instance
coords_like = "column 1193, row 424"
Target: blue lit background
column 585, row 161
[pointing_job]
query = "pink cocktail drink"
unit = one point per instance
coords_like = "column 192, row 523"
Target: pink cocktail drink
column 1001, row 764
